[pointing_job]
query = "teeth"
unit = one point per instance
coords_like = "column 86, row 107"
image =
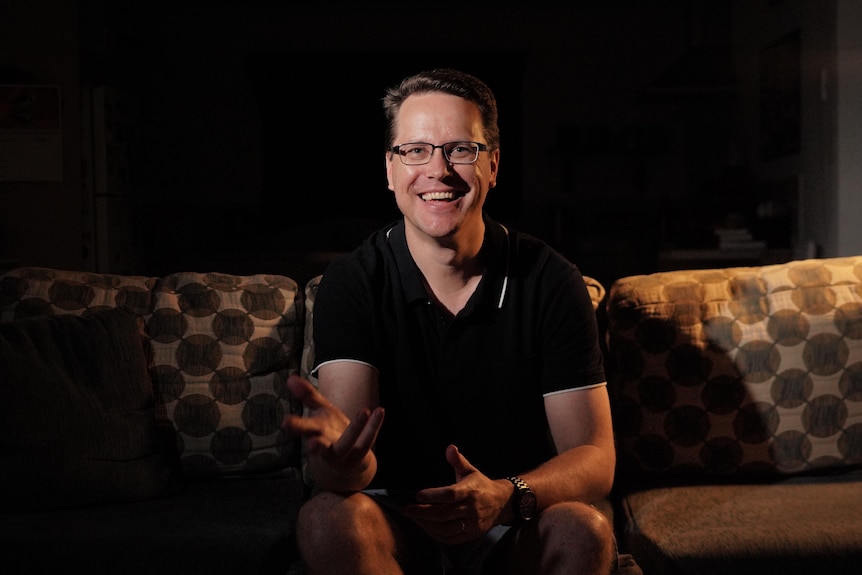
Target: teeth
column 438, row 196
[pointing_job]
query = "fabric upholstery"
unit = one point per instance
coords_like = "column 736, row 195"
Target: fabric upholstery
column 219, row 346
column 77, row 421
column 799, row 525
column 218, row 349
column 308, row 342
column 220, row 526
column 737, row 405
column 31, row 292
column 738, row 371
column 596, row 290
column 223, row 347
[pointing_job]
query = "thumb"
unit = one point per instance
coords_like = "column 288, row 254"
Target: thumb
column 459, row 463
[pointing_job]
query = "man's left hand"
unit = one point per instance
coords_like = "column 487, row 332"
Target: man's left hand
column 464, row 510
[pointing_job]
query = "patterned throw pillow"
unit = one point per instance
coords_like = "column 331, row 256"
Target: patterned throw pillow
column 738, row 371
column 223, row 347
column 220, row 348
column 32, row 292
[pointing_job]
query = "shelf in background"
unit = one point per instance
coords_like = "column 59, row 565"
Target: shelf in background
column 707, row 258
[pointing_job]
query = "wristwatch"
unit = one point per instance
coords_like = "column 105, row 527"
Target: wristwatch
column 524, row 501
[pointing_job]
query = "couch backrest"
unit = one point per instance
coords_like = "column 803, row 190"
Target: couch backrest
column 220, row 346
column 740, row 371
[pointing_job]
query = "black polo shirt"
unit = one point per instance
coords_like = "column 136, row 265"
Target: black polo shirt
column 477, row 380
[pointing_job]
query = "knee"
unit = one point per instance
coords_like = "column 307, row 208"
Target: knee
column 330, row 521
column 581, row 526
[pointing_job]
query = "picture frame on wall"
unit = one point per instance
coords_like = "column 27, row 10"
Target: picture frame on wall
column 31, row 135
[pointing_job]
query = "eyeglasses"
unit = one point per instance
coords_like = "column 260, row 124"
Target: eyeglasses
column 418, row 153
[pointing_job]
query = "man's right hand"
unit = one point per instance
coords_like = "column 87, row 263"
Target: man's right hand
column 339, row 448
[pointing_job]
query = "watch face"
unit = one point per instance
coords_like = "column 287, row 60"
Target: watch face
column 527, row 505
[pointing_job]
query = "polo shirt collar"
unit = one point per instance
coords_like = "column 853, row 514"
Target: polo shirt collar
column 495, row 252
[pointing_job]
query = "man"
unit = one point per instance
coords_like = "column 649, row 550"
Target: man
column 462, row 420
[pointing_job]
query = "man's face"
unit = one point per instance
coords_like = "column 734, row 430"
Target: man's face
column 439, row 199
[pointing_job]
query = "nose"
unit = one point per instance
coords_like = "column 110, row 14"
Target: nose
column 439, row 161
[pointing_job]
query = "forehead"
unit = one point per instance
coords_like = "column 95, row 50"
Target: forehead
column 434, row 116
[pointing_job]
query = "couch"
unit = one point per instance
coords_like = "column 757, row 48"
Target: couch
column 140, row 423
column 140, row 428
column 737, row 399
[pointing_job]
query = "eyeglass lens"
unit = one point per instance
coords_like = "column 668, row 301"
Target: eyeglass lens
column 455, row 152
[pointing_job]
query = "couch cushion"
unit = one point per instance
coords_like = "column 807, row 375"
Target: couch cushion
column 77, row 423
column 799, row 525
column 738, row 371
column 223, row 346
column 596, row 290
column 223, row 526
column 308, row 341
column 31, row 292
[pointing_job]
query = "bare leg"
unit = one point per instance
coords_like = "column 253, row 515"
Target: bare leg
column 351, row 534
column 568, row 538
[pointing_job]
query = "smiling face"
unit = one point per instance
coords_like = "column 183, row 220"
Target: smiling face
column 439, row 200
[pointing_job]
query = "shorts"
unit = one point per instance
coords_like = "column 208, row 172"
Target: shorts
column 470, row 558
column 462, row 559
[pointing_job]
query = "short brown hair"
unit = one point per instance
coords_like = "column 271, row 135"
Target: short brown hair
column 448, row 81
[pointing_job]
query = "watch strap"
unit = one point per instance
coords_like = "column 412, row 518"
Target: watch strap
column 524, row 501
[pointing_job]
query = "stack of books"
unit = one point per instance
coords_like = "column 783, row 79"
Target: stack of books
column 738, row 239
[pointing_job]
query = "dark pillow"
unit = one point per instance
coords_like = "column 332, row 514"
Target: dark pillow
column 77, row 423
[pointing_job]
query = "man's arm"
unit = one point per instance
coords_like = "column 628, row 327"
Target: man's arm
column 352, row 387
column 583, row 470
column 340, row 426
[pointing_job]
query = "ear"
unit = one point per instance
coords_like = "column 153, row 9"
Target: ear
column 389, row 171
column 494, row 162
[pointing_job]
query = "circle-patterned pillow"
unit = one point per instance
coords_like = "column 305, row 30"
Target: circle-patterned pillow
column 222, row 349
column 32, row 292
column 738, row 370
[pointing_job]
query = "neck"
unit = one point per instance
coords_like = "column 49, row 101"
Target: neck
column 457, row 253
column 450, row 266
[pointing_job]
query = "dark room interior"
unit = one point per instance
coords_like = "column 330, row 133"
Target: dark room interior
column 191, row 136
column 175, row 178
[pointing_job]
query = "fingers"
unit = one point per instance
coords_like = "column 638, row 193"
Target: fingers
column 438, row 512
column 328, row 432
column 459, row 463
column 451, row 531
column 370, row 430
column 302, row 390
column 358, row 438
column 297, row 424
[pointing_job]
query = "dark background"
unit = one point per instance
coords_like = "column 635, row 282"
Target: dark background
column 629, row 131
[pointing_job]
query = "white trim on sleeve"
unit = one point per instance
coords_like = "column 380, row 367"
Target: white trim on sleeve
column 602, row 384
column 316, row 369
